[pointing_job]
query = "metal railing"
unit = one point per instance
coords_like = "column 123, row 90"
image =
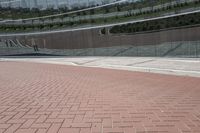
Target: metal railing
column 169, row 49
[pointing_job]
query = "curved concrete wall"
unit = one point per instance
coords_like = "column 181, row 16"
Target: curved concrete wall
column 92, row 38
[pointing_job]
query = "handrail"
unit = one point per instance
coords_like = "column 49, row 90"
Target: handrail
column 19, row 43
column 11, row 41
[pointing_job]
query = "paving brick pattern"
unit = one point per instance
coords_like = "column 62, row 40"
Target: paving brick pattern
column 44, row 98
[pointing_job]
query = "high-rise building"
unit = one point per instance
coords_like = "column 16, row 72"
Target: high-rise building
column 24, row 4
column 35, row 4
column 43, row 4
column 56, row 4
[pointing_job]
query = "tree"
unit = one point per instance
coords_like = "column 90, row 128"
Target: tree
column 91, row 11
column 107, row 9
column 84, row 13
column 118, row 8
column 151, row 3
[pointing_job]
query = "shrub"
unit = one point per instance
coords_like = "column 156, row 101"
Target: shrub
column 103, row 31
column 178, row 21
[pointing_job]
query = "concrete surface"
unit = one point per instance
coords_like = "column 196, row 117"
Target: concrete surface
column 174, row 66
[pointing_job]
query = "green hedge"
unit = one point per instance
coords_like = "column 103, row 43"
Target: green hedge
column 159, row 24
column 131, row 29
column 19, row 13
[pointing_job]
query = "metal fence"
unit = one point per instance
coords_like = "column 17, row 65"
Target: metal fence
column 170, row 49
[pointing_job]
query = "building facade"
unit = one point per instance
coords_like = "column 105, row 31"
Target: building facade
column 44, row 4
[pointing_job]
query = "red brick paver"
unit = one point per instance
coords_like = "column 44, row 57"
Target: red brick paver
column 43, row 98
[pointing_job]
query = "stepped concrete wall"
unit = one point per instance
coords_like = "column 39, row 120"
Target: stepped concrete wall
column 92, row 38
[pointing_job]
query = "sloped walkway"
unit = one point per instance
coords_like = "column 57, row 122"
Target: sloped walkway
column 170, row 66
column 41, row 98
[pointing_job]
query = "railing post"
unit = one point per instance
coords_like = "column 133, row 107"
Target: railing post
column 196, row 48
column 155, row 50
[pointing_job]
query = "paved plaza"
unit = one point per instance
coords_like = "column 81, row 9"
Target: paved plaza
column 39, row 97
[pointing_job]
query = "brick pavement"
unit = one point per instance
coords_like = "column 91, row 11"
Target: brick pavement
column 44, row 98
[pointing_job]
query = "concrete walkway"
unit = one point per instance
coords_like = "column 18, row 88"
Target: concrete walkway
column 52, row 98
column 174, row 66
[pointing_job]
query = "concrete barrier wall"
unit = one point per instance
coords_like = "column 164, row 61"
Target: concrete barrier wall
column 92, row 38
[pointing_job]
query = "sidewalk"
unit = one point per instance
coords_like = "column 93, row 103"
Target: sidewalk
column 174, row 66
